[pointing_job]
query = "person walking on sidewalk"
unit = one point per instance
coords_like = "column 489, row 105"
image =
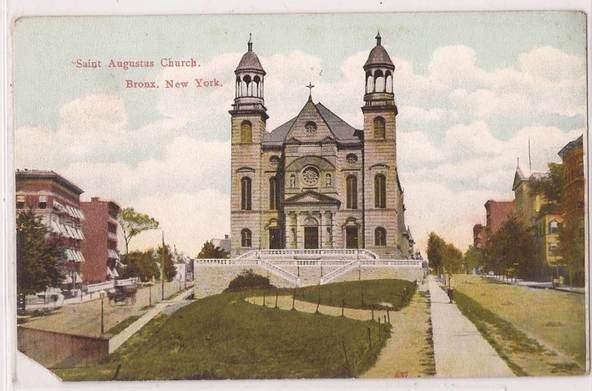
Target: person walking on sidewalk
column 450, row 293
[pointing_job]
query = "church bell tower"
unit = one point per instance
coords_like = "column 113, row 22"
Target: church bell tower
column 248, row 117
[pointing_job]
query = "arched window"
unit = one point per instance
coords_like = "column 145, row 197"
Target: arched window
column 328, row 180
column 379, row 128
column 237, row 90
column 246, row 132
column 352, row 192
column 369, row 82
column 249, row 86
column 378, row 81
column 380, row 191
column 246, row 193
column 274, row 198
column 553, row 227
column 380, row 237
column 245, row 238
column 388, row 82
column 256, row 81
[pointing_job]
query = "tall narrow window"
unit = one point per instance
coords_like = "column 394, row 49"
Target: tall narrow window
column 246, row 132
column 379, row 128
column 380, row 237
column 246, row 193
column 380, row 191
column 245, row 238
column 274, row 196
column 352, row 192
column 292, row 181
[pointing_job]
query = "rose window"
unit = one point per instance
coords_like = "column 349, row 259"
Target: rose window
column 310, row 128
column 352, row 158
column 310, row 176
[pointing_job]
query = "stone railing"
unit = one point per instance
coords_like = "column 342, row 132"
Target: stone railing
column 278, row 271
column 339, row 271
column 345, row 253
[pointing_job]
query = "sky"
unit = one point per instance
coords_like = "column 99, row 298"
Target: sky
column 471, row 88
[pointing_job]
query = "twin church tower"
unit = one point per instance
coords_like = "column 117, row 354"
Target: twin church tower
column 316, row 181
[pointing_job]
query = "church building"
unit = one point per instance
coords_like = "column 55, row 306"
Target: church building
column 316, row 181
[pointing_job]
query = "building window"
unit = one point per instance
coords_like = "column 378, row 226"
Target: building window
column 351, row 158
column 380, row 237
column 310, row 128
column 352, row 192
column 246, row 132
column 379, row 128
column 553, row 250
column 245, row 238
column 310, row 176
column 380, row 191
column 553, row 227
column 274, row 160
column 246, row 193
column 274, row 199
column 42, row 204
column 20, row 202
column 328, row 180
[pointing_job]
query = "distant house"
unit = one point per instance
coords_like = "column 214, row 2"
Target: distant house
column 224, row 244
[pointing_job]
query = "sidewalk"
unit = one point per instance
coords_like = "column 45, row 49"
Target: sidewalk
column 459, row 348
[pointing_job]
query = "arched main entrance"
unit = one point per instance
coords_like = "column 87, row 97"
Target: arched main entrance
column 311, row 233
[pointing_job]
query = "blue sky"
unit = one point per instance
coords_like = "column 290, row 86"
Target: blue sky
column 471, row 89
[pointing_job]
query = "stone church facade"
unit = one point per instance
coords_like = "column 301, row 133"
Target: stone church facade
column 316, row 181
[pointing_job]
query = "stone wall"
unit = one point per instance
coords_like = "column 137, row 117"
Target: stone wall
column 60, row 350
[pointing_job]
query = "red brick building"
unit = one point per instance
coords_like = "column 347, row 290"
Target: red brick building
column 100, row 246
column 57, row 201
column 497, row 212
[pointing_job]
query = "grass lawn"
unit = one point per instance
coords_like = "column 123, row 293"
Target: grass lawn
column 222, row 337
column 119, row 327
column 538, row 332
column 360, row 294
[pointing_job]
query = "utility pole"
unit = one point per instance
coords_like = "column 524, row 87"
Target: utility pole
column 162, row 269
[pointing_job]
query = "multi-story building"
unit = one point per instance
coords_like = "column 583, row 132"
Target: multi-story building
column 496, row 214
column 478, row 236
column 538, row 215
column 57, row 201
column 316, row 181
column 100, row 246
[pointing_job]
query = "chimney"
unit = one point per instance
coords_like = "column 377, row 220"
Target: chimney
column 94, row 199
column 225, row 236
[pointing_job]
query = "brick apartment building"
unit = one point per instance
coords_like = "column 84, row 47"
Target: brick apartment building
column 496, row 212
column 57, row 201
column 100, row 246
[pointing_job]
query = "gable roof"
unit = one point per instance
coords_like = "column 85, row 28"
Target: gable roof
column 311, row 196
column 344, row 133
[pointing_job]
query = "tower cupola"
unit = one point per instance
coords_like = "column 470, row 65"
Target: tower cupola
column 379, row 70
column 249, row 83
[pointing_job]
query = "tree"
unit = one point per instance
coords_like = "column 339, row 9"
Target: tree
column 169, row 266
column 141, row 264
column 452, row 259
column 134, row 223
column 551, row 186
column 39, row 260
column 512, row 250
column 435, row 252
column 572, row 250
column 208, row 250
column 473, row 259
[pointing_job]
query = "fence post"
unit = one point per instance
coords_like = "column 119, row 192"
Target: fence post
column 369, row 338
column 379, row 329
column 388, row 316
column 342, row 306
column 293, row 298
column 263, row 298
column 276, row 298
column 372, row 310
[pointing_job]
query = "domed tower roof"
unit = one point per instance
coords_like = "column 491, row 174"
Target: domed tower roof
column 249, row 62
column 379, row 56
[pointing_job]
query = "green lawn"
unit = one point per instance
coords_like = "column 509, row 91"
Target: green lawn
column 222, row 337
column 360, row 294
column 119, row 327
column 538, row 332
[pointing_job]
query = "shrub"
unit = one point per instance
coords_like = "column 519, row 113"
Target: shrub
column 248, row 280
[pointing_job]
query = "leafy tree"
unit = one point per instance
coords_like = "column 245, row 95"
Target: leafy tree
column 551, row 186
column 452, row 259
column 141, row 264
column 436, row 247
column 210, row 251
column 39, row 260
column 169, row 265
column 512, row 250
column 473, row 259
column 134, row 223
column 571, row 247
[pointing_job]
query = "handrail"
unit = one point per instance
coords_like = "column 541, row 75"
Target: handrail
column 290, row 277
column 339, row 271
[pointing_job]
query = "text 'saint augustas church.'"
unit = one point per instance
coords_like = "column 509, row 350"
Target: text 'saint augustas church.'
column 316, row 181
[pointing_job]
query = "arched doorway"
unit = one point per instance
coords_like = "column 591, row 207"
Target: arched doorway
column 311, row 233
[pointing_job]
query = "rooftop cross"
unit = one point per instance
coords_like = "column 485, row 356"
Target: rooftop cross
column 310, row 86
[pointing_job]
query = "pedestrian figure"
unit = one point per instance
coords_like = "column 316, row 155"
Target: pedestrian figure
column 450, row 293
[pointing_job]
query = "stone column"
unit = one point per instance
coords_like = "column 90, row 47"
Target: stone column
column 292, row 229
column 329, row 225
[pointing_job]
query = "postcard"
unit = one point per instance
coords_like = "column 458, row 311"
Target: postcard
column 302, row 196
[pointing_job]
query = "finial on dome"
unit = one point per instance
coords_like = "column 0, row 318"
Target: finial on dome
column 250, row 43
column 378, row 38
